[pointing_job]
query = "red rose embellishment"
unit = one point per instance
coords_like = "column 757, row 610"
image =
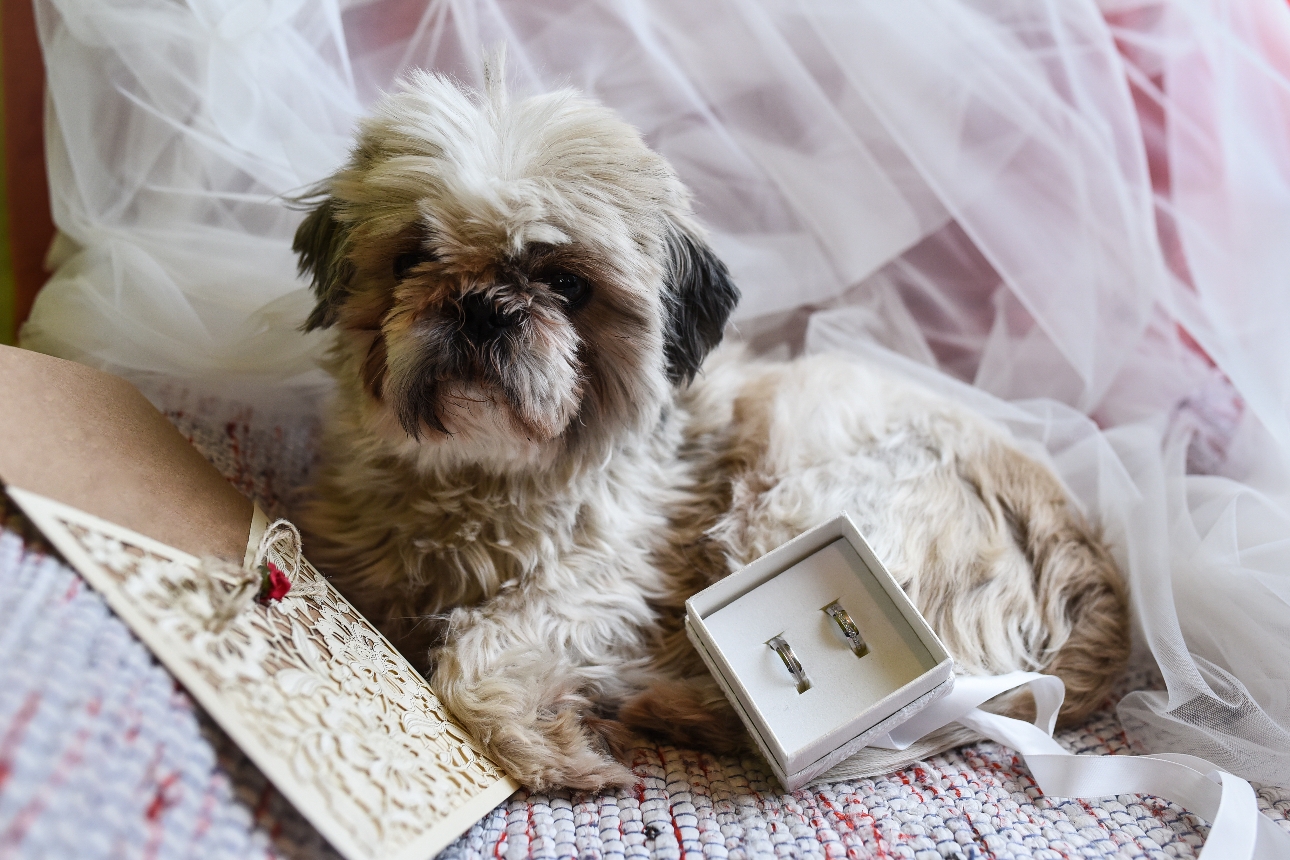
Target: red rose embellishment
column 274, row 584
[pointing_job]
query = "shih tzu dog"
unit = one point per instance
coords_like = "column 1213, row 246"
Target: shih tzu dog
column 532, row 459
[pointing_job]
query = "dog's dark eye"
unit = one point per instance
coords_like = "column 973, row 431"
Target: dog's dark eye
column 574, row 289
column 405, row 263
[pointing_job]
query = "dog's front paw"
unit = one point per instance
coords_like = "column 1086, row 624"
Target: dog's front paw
column 538, row 730
column 558, row 749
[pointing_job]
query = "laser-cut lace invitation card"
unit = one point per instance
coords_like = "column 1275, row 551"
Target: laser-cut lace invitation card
column 328, row 710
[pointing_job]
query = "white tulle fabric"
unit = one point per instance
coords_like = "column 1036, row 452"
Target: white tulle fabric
column 1072, row 215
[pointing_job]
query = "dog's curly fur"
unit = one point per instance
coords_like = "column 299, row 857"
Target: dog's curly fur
column 524, row 478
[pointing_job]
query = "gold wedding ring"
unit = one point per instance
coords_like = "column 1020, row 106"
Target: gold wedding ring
column 794, row 665
column 848, row 628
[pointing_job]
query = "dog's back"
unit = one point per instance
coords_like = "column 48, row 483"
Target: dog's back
column 981, row 536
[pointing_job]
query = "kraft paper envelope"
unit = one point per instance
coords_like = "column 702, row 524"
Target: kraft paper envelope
column 92, row 441
column 306, row 687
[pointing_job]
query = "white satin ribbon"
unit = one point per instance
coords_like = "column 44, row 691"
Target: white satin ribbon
column 1237, row 831
column 971, row 691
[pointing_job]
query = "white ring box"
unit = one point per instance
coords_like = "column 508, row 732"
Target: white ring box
column 851, row 700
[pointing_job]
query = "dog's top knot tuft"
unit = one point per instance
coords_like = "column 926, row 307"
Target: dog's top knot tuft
column 495, row 76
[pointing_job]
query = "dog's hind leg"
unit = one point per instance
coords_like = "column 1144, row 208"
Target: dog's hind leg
column 691, row 712
column 1079, row 589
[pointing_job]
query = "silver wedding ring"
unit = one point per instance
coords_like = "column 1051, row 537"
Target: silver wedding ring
column 848, row 628
column 794, row 666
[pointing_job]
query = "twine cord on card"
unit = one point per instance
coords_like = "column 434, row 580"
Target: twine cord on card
column 279, row 551
column 273, row 571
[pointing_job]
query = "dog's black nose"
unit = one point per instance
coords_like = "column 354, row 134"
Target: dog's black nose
column 483, row 319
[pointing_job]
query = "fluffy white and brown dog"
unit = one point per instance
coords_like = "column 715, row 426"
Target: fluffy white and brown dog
column 532, row 461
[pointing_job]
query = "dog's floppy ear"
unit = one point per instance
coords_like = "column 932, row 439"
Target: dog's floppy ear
column 699, row 297
column 319, row 242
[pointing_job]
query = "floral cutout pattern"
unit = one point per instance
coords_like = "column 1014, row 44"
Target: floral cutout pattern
column 324, row 705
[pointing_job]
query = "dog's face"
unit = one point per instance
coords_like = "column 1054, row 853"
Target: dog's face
column 510, row 281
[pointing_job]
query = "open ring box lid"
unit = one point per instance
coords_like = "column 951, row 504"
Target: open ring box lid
column 852, row 700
